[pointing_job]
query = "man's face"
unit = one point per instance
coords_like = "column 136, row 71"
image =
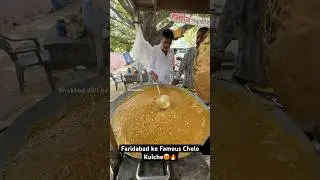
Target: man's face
column 166, row 43
column 200, row 37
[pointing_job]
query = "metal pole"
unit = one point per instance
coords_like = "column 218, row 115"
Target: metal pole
column 140, row 72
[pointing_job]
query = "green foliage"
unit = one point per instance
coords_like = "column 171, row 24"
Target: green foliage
column 122, row 33
column 121, row 37
column 163, row 19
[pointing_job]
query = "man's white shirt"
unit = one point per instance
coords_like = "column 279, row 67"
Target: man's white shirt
column 162, row 64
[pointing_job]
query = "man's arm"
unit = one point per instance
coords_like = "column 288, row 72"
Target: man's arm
column 226, row 31
column 229, row 24
column 183, row 64
column 182, row 68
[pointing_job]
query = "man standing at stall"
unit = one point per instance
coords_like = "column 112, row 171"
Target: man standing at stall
column 188, row 60
column 241, row 19
column 162, row 59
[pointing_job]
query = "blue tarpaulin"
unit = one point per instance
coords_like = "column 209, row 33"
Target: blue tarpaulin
column 127, row 57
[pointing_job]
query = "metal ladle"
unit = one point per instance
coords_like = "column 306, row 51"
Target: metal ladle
column 162, row 101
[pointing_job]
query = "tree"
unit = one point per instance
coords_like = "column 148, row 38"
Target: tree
column 123, row 15
column 122, row 33
column 121, row 37
column 122, row 18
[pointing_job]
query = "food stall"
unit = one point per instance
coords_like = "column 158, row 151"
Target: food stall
column 68, row 130
column 250, row 139
column 130, row 166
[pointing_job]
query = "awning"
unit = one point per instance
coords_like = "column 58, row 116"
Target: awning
column 199, row 6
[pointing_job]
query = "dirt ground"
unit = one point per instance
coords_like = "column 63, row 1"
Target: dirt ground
column 12, row 103
column 75, row 144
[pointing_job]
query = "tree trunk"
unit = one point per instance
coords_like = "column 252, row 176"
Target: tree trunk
column 149, row 28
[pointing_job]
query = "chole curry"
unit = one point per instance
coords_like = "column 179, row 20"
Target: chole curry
column 139, row 121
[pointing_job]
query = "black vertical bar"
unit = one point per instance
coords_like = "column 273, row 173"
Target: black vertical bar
column 212, row 31
column 98, row 39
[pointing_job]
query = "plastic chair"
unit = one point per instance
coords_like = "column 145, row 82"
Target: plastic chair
column 27, row 57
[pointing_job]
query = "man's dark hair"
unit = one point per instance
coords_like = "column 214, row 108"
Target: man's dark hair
column 168, row 34
column 203, row 29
